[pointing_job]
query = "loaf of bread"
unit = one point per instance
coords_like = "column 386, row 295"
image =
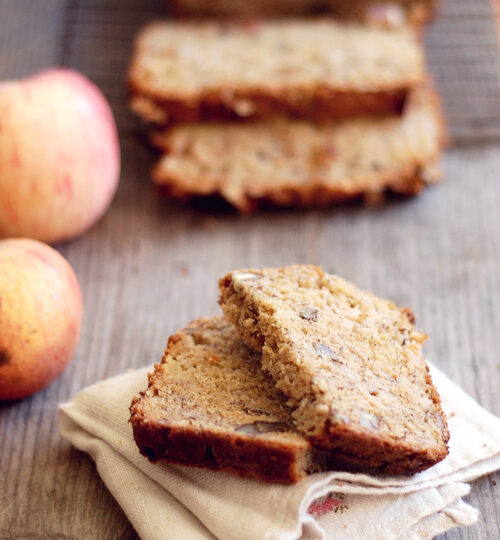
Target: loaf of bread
column 312, row 68
column 390, row 12
column 209, row 405
column 298, row 163
column 350, row 363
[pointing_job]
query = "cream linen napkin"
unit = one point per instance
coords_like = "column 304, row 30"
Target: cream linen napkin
column 173, row 502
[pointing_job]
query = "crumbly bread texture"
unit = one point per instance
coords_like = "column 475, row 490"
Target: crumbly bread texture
column 297, row 163
column 350, row 363
column 208, row 404
column 313, row 68
column 392, row 13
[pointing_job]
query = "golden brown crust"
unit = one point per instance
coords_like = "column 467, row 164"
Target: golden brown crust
column 414, row 11
column 315, row 195
column 215, row 451
column 225, row 104
column 369, row 454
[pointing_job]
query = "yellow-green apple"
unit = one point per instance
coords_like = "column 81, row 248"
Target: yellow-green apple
column 40, row 316
column 59, row 155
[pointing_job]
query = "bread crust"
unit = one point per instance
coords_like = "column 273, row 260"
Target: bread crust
column 416, row 11
column 405, row 184
column 215, row 451
column 226, row 104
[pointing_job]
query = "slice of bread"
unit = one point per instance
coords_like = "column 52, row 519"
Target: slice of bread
column 313, row 68
column 208, row 404
column 389, row 12
column 298, row 163
column 351, row 364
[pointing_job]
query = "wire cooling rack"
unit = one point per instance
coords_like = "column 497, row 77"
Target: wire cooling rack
column 464, row 56
column 96, row 37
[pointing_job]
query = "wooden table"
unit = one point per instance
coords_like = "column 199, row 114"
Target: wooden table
column 150, row 266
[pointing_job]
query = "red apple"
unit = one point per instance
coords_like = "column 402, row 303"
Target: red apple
column 59, row 156
column 40, row 316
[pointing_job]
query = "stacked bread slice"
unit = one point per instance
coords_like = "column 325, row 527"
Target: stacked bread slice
column 315, row 375
column 349, row 362
column 291, row 111
column 293, row 162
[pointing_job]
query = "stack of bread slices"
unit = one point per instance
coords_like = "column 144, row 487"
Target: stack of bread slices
column 304, row 373
column 295, row 110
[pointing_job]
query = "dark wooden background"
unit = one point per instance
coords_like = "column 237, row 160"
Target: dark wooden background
column 150, row 266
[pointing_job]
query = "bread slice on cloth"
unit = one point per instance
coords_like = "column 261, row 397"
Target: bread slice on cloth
column 350, row 363
column 209, row 405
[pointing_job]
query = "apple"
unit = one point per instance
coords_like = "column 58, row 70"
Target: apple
column 40, row 316
column 59, row 156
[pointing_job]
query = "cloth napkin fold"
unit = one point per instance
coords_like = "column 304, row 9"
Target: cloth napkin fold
column 171, row 502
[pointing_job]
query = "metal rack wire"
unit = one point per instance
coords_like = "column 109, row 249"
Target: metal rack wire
column 464, row 56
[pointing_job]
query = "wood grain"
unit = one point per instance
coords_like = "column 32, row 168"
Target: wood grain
column 150, row 266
